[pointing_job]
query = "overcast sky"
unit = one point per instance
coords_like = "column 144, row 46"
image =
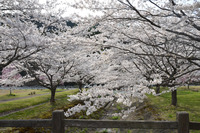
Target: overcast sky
column 70, row 10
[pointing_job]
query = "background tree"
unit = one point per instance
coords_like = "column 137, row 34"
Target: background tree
column 26, row 28
column 49, row 67
column 55, row 64
column 170, row 68
column 18, row 38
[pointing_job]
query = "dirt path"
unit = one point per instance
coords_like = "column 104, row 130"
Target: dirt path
column 17, row 110
column 19, row 98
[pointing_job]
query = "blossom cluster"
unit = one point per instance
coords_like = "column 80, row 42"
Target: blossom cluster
column 94, row 99
column 99, row 96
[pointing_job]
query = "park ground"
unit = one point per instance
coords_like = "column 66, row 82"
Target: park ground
column 34, row 104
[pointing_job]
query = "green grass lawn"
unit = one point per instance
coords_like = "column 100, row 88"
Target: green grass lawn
column 5, row 94
column 188, row 100
column 190, row 87
column 44, row 110
column 23, row 103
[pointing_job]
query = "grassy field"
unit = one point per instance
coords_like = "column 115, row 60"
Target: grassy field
column 43, row 111
column 23, row 103
column 5, row 94
column 188, row 100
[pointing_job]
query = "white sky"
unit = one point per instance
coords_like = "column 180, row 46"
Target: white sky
column 70, row 10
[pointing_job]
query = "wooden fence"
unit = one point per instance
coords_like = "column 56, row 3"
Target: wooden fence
column 58, row 123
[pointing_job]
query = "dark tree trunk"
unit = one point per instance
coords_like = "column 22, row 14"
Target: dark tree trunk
column 188, row 86
column 53, row 92
column 80, row 86
column 157, row 89
column 10, row 91
column 174, row 97
column 1, row 69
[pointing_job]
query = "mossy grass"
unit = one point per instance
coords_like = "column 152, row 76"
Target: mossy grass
column 119, row 106
column 115, row 118
column 10, row 95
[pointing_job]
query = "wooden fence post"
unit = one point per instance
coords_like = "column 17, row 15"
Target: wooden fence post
column 183, row 122
column 58, row 121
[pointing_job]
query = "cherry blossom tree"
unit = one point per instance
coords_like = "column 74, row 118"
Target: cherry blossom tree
column 115, row 80
column 156, row 19
column 170, row 68
column 192, row 78
column 19, row 38
column 172, row 19
column 84, row 70
column 51, row 66
column 132, row 26
column 26, row 27
column 59, row 61
column 82, row 77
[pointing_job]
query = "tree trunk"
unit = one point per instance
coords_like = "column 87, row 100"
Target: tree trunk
column 174, row 97
column 1, row 69
column 53, row 92
column 80, row 86
column 188, row 86
column 10, row 91
column 157, row 89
